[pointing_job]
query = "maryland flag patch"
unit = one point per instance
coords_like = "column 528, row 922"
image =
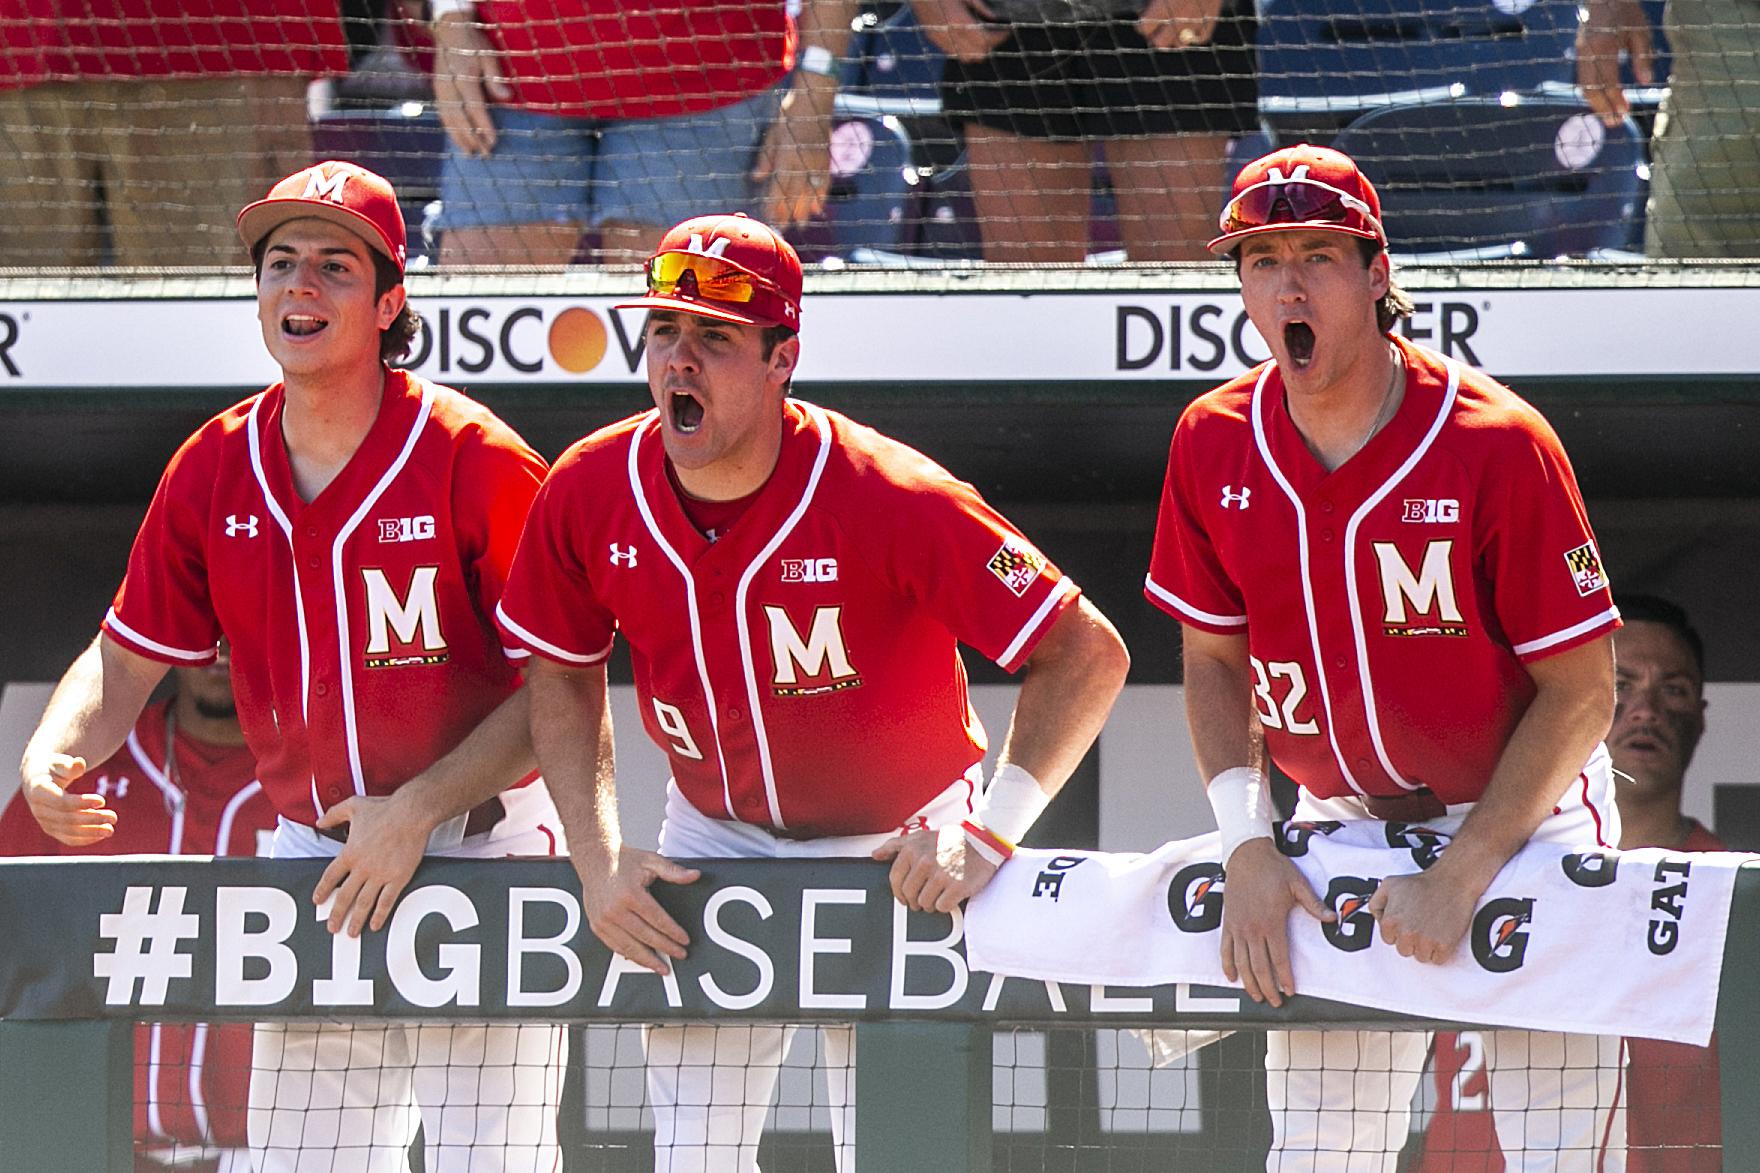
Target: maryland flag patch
column 1017, row 565
column 1585, row 567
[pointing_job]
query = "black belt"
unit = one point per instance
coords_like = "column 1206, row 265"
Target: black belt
column 1416, row 806
column 482, row 818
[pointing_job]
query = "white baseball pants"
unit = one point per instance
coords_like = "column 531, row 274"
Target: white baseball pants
column 710, row 1086
column 347, row 1098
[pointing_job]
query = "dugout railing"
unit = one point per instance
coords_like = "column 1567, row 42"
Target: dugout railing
column 90, row 947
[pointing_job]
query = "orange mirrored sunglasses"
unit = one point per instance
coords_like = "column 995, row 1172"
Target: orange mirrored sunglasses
column 697, row 275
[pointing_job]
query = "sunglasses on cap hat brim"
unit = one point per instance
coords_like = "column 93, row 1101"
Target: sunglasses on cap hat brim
column 1291, row 205
column 711, row 287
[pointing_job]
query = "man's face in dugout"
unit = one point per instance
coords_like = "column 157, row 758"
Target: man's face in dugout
column 1659, row 712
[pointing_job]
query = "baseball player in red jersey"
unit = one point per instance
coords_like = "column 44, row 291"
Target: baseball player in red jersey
column 1674, row 1107
column 793, row 587
column 1381, row 560
column 348, row 531
column 184, row 784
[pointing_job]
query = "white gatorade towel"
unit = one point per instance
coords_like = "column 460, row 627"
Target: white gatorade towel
column 1564, row 940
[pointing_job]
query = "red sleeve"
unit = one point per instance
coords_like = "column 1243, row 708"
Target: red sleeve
column 163, row 610
column 549, row 606
column 968, row 565
column 1549, row 588
column 496, row 478
column 1186, row 576
column 20, row 833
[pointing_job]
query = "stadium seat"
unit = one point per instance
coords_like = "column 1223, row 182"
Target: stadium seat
column 891, row 68
column 1321, row 62
column 403, row 143
column 872, row 202
column 1487, row 177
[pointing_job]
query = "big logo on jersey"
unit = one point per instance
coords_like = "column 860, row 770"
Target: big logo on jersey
column 1500, row 933
column 413, row 618
column 812, row 666
column 1348, row 896
column 1194, row 897
column 1430, row 589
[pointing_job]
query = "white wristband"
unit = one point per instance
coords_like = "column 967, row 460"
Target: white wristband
column 1241, row 799
column 817, row 59
column 1011, row 803
column 439, row 8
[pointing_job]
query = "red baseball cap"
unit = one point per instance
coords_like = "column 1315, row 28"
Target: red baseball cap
column 729, row 267
column 343, row 194
column 1300, row 188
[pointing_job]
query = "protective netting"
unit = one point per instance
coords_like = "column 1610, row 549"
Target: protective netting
column 1062, row 1099
column 1014, row 130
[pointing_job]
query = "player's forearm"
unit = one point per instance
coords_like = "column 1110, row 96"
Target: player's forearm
column 1569, row 716
column 571, row 732
column 91, row 711
column 1072, row 679
column 1218, row 692
column 493, row 757
column 826, row 24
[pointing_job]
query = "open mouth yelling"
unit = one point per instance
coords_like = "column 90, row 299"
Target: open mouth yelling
column 686, row 412
column 302, row 325
column 1298, row 343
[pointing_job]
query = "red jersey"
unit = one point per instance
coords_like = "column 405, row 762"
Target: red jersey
column 801, row 673
column 363, row 644
column 60, row 40
column 1674, row 1110
column 203, row 799
column 1389, row 605
column 609, row 59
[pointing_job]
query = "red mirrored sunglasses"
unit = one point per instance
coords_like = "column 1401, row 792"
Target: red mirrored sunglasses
column 1299, row 201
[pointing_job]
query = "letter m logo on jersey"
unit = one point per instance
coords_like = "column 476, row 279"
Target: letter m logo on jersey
column 1420, row 602
column 812, row 666
column 413, row 618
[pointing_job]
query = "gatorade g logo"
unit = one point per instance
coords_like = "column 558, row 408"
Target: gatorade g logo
column 1591, row 869
column 1500, row 934
column 1195, row 898
column 1348, row 896
column 1292, row 837
column 1424, row 844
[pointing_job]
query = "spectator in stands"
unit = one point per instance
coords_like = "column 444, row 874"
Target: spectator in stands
column 1673, row 1111
column 1038, row 84
column 572, row 115
column 133, row 131
column 1705, row 152
column 1674, row 1121
column 183, row 785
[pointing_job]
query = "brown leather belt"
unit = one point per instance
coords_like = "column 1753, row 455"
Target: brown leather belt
column 481, row 819
column 1415, row 806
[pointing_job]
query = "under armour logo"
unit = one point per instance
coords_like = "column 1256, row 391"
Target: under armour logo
column 622, row 555
column 235, row 527
column 1232, row 499
column 1274, row 175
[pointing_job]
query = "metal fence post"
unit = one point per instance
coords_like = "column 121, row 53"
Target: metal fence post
column 1738, row 1018
column 923, row 1097
column 67, row 1096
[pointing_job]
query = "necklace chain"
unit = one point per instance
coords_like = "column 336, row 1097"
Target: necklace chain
column 1385, row 411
